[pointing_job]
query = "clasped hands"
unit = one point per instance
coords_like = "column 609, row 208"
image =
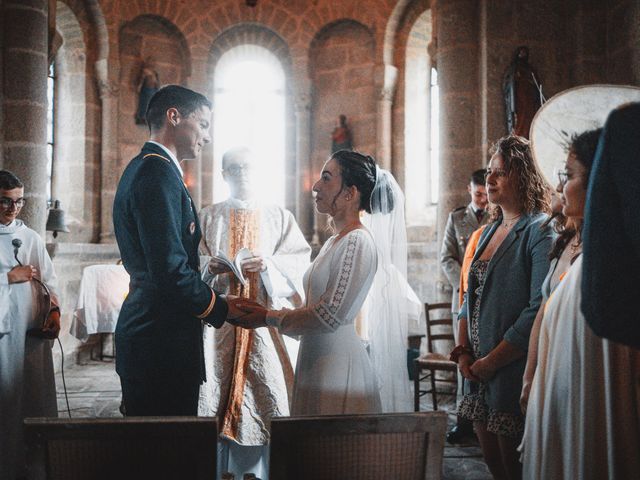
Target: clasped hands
column 246, row 313
column 479, row 370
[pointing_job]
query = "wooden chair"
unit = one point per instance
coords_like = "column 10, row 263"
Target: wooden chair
column 358, row 447
column 112, row 448
column 432, row 361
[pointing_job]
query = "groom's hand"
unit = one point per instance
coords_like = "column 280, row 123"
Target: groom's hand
column 246, row 313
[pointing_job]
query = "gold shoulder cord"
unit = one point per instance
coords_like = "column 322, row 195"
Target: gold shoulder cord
column 157, row 155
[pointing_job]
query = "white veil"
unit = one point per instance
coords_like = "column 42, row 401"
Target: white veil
column 387, row 302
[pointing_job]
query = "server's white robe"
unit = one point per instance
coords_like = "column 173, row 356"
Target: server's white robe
column 27, row 382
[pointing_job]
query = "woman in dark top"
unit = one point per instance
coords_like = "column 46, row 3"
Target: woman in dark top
column 505, row 277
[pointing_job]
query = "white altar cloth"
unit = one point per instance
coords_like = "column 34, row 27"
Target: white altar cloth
column 103, row 289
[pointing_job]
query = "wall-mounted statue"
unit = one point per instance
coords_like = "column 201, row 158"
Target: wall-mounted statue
column 522, row 93
column 341, row 136
column 148, row 84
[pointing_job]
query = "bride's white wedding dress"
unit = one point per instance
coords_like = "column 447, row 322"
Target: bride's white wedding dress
column 334, row 374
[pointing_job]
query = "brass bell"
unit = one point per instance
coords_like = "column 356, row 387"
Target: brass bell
column 56, row 221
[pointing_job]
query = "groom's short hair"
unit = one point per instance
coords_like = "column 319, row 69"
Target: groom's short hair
column 186, row 101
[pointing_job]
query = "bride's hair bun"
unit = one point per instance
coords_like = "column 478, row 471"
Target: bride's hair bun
column 358, row 171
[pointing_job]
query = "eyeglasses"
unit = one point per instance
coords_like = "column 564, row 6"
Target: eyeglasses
column 235, row 170
column 6, row 202
column 498, row 172
column 563, row 177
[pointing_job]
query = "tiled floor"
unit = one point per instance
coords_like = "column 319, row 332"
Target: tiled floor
column 94, row 391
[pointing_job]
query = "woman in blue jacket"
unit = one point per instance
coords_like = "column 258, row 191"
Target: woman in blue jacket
column 500, row 305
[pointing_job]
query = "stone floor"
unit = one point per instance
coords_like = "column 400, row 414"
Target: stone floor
column 94, row 391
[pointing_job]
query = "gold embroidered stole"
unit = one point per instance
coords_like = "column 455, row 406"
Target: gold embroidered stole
column 244, row 227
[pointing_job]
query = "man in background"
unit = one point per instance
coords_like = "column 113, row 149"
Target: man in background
column 462, row 222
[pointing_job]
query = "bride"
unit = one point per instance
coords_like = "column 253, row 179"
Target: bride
column 338, row 371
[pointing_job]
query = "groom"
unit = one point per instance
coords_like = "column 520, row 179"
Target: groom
column 159, row 332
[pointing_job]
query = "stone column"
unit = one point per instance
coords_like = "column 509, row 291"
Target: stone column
column 305, row 212
column 458, row 79
column 109, row 170
column 25, row 31
column 386, row 77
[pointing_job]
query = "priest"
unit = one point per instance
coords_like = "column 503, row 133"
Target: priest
column 249, row 372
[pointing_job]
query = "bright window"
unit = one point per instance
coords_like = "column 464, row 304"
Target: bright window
column 421, row 126
column 435, row 136
column 249, row 110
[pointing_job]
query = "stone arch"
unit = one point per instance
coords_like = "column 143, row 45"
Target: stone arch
column 250, row 34
column 342, row 72
column 146, row 25
column 146, row 37
column 100, row 26
column 246, row 34
column 340, row 43
column 76, row 178
column 401, row 42
column 404, row 33
column 391, row 30
column 413, row 123
column 317, row 21
column 91, row 20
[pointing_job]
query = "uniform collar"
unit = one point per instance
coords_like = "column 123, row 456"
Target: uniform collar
column 474, row 208
column 170, row 155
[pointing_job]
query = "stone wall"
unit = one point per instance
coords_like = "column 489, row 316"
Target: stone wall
column 341, row 71
column 145, row 38
column 587, row 42
column 623, row 41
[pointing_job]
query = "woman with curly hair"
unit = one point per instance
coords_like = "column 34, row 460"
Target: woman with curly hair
column 502, row 300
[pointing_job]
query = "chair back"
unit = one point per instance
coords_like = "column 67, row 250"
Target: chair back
column 131, row 447
column 443, row 323
column 358, row 447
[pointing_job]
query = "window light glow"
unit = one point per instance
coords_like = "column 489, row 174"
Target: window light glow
column 249, row 110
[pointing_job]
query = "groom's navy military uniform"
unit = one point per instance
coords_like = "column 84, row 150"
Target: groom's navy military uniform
column 159, row 332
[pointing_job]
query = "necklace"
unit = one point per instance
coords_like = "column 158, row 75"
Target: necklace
column 510, row 222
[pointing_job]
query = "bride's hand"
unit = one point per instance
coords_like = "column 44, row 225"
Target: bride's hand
column 246, row 313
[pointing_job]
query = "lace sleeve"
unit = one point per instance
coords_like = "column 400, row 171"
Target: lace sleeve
column 352, row 268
